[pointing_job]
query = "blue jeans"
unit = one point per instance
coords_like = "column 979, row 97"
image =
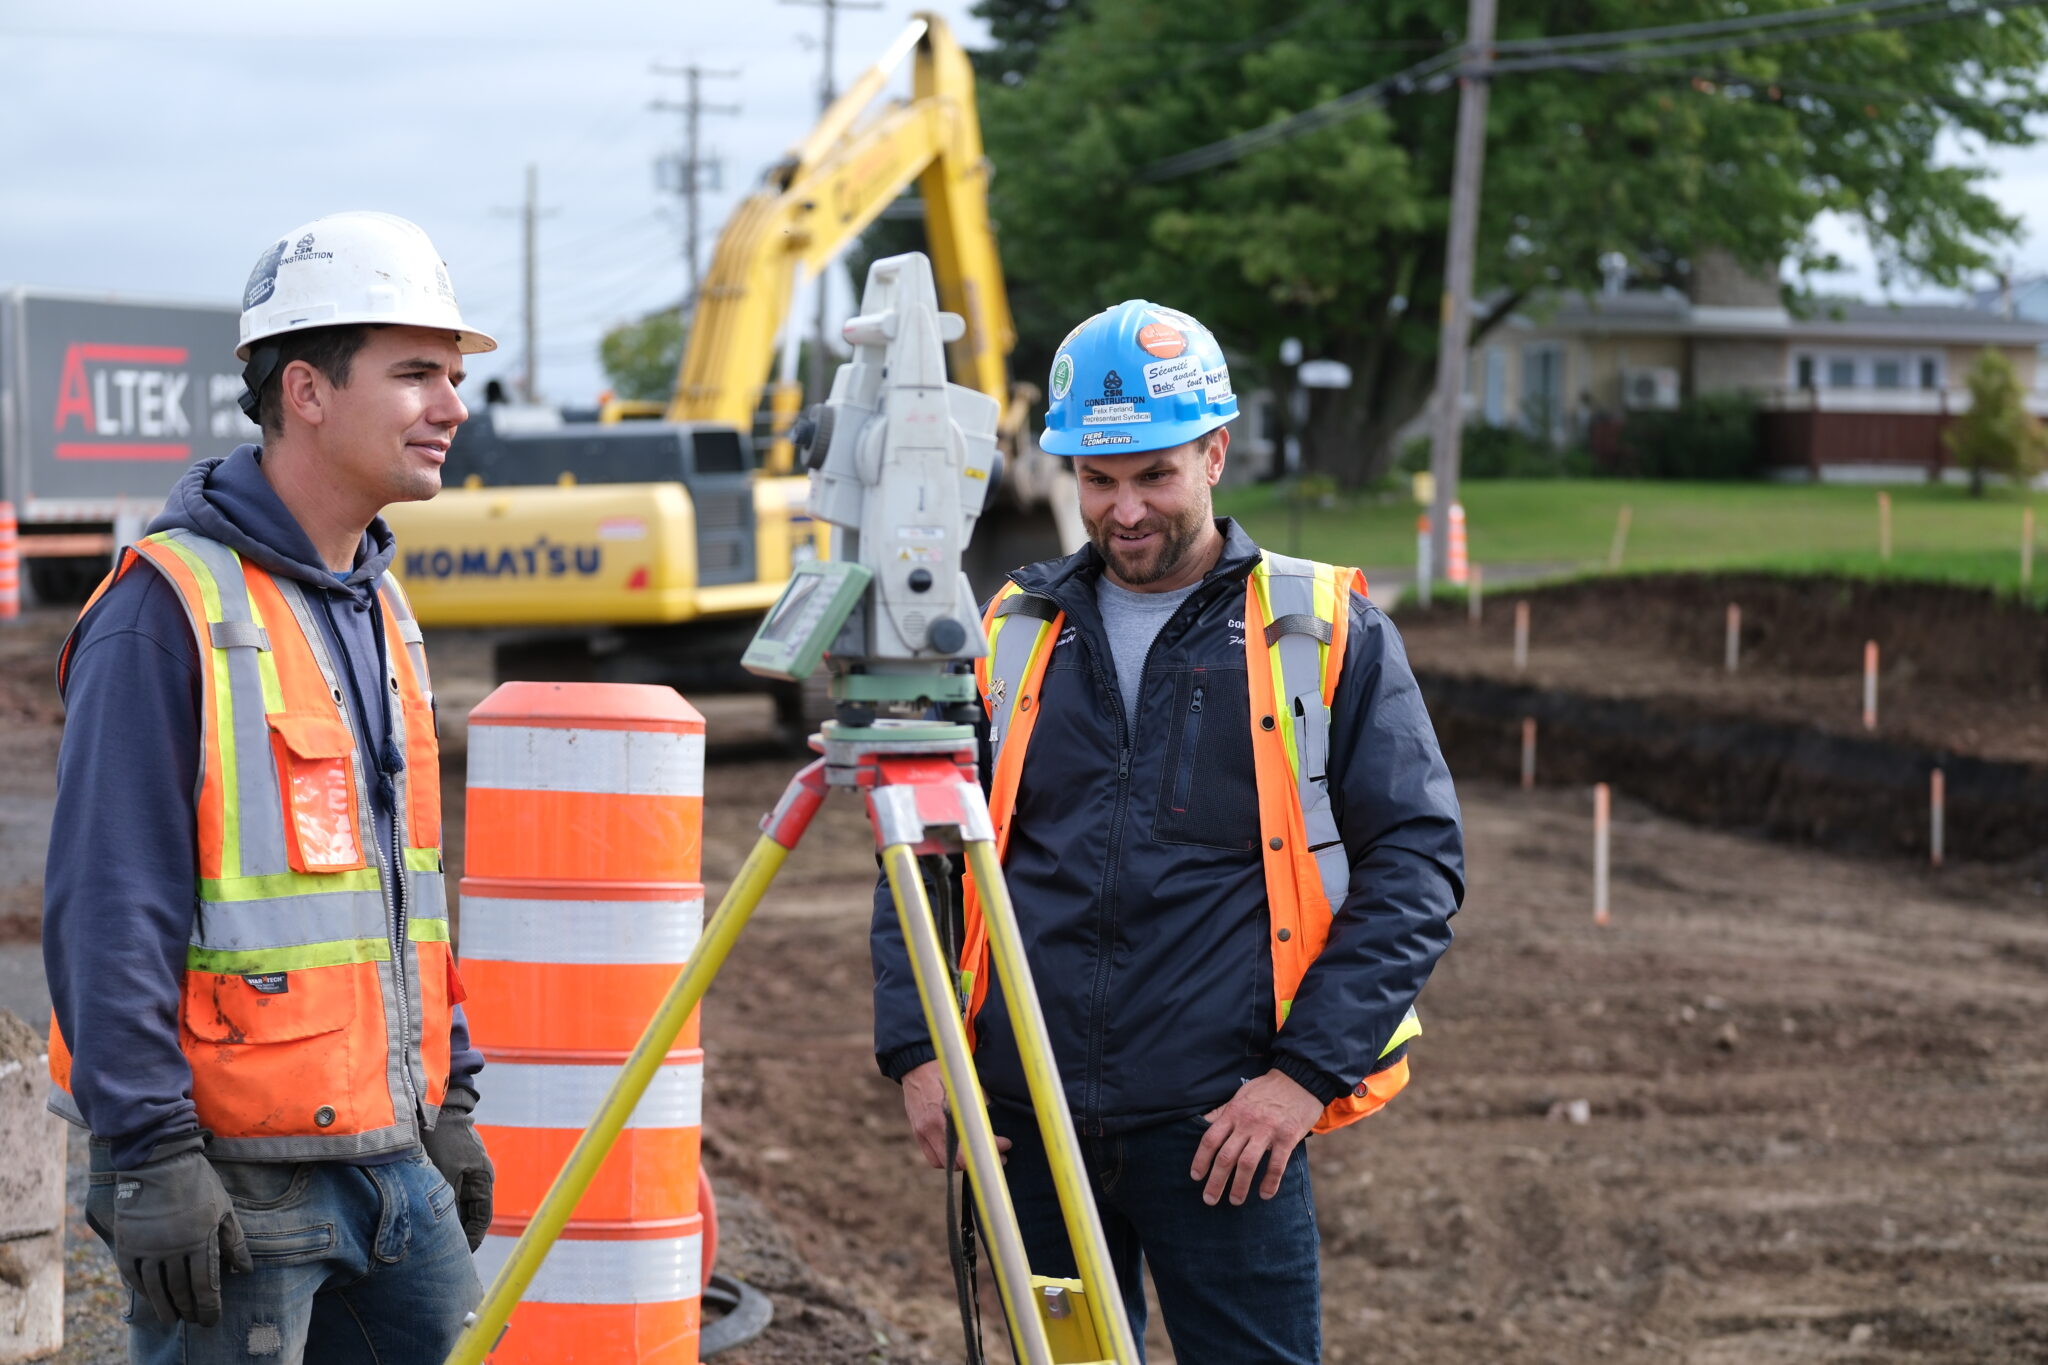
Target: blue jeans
column 353, row 1264
column 1236, row 1284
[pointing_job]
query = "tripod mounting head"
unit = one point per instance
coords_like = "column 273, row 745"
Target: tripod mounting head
column 901, row 462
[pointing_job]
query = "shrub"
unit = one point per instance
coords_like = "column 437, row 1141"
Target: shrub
column 1486, row 452
column 1712, row 436
column 1997, row 433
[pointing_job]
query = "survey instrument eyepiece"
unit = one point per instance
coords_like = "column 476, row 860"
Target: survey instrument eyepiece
column 901, row 464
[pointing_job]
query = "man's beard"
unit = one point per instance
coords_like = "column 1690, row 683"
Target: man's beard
column 1176, row 539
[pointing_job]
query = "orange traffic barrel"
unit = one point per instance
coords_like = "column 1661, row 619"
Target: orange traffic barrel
column 582, row 899
column 10, row 564
column 606, row 1292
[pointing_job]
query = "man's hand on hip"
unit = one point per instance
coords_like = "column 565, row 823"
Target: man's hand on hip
column 1267, row 1116
column 924, row 1101
column 173, row 1225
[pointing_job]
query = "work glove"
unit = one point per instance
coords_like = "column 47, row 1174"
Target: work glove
column 458, row 1154
column 173, row 1226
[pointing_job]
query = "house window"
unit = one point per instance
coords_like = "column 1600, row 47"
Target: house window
column 1543, row 389
column 1930, row 372
column 1805, row 372
column 1496, row 380
column 1841, row 372
column 1888, row 374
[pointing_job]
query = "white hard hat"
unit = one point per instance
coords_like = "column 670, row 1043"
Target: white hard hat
column 351, row 268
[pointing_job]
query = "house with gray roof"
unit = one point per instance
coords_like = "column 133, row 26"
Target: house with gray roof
column 1850, row 390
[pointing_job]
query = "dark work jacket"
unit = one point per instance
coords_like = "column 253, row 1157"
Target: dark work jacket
column 119, row 889
column 1135, row 869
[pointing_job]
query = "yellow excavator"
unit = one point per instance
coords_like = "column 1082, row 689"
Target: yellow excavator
column 645, row 545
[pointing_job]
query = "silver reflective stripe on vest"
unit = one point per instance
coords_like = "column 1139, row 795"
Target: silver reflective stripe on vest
column 1010, row 661
column 400, row 607
column 288, row 921
column 258, row 801
column 1291, row 598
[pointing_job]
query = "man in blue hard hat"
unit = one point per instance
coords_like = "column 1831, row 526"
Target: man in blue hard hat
column 1233, row 848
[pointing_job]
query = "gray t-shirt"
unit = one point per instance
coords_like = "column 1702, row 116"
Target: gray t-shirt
column 1132, row 621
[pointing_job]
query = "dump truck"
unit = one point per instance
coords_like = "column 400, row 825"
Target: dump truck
column 103, row 403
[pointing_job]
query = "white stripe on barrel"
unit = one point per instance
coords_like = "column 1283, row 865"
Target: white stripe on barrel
column 610, row 762
column 580, row 932
column 553, row 1095
column 626, row 1271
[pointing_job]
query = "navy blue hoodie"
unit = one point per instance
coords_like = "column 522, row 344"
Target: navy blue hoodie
column 118, row 897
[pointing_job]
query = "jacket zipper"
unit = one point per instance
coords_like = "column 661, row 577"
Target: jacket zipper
column 395, row 884
column 1190, row 734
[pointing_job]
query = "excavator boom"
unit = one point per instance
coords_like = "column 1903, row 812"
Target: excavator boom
column 824, row 194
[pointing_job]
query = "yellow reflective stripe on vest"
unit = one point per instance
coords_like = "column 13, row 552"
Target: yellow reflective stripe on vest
column 1407, row 1030
column 254, row 961
column 223, row 707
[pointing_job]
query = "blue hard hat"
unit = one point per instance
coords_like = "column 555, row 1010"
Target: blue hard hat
column 1132, row 378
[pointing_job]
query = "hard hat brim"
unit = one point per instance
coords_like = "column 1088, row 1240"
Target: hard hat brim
column 468, row 340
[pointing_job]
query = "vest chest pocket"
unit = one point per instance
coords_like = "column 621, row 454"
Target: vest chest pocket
column 1208, row 794
column 316, row 772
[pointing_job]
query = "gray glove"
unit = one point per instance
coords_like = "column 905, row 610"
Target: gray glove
column 458, row 1154
column 173, row 1225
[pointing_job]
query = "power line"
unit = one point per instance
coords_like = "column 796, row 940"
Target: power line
column 1593, row 62
column 1431, row 75
column 530, row 214
column 1746, row 23
column 828, row 91
column 684, row 171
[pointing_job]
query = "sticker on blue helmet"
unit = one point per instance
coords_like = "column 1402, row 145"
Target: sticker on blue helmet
column 1062, row 376
column 1107, row 438
column 1165, row 378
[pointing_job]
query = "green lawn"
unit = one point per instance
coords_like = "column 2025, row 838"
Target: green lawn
column 1938, row 533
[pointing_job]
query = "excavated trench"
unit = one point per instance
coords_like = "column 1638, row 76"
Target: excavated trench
column 1626, row 687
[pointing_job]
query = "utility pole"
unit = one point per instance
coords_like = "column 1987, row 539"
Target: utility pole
column 828, row 90
column 1455, row 323
column 684, row 173
column 530, row 214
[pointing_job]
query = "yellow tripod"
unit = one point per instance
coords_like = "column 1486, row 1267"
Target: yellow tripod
column 923, row 796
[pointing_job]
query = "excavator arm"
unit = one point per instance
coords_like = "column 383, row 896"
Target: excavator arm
column 823, row 195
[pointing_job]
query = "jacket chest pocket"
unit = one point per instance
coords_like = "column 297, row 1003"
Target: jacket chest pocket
column 316, row 775
column 1207, row 792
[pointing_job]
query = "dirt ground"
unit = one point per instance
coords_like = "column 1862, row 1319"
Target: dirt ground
column 1789, row 1106
column 1958, row 671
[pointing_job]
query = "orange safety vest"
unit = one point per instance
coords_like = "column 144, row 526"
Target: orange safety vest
column 314, row 1028
column 1300, row 616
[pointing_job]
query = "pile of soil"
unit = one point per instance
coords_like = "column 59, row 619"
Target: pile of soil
column 1625, row 679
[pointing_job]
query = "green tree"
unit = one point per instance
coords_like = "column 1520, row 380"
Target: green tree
column 1337, row 237
column 642, row 358
column 1997, row 433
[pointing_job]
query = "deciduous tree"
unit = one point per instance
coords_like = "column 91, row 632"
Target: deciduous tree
column 1337, row 237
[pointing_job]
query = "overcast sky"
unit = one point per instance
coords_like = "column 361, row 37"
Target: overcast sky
column 153, row 150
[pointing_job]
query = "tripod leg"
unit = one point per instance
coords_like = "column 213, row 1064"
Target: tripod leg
column 783, row 828
column 970, row 1114
column 1104, row 1302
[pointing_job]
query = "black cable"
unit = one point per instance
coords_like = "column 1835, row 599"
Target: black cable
column 1594, row 62
column 1743, row 24
column 1431, row 74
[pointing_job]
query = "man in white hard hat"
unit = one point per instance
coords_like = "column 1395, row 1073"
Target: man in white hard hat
column 257, row 1014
